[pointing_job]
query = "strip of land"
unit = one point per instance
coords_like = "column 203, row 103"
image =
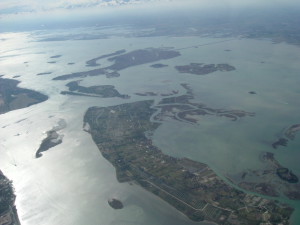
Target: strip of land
column 102, row 91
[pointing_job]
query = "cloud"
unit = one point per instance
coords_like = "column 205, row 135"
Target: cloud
column 30, row 6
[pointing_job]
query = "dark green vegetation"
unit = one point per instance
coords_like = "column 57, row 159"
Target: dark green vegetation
column 8, row 211
column 141, row 56
column 280, row 142
column 55, row 56
column 95, row 72
column 158, row 65
column 103, row 91
column 123, row 61
column 46, row 73
column 288, row 135
column 52, row 139
column 272, row 179
column 203, row 69
column 115, row 203
column 7, row 196
column 287, row 175
column 189, row 186
column 13, row 97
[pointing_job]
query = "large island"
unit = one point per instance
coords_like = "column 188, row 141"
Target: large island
column 122, row 134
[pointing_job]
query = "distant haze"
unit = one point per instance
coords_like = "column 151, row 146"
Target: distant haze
column 17, row 15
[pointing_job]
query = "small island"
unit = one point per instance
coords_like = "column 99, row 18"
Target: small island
column 280, row 142
column 115, row 203
column 203, row 69
column 158, row 65
column 45, row 73
column 287, row 175
column 288, row 135
column 291, row 131
column 102, row 91
column 55, row 56
column 53, row 139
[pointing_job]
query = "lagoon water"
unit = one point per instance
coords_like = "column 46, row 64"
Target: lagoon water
column 71, row 183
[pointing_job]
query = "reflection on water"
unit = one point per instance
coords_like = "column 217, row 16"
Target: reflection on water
column 71, row 183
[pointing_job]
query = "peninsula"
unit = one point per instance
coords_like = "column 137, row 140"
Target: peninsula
column 12, row 97
column 191, row 187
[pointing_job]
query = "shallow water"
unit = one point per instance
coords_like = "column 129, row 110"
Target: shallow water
column 70, row 183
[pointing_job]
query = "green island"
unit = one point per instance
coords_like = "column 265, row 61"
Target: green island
column 45, row 73
column 53, row 139
column 12, row 97
column 102, row 91
column 115, row 203
column 203, row 69
column 159, row 65
column 122, row 134
column 8, row 211
column 288, row 134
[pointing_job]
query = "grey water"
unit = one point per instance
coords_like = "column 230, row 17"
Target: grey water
column 71, row 183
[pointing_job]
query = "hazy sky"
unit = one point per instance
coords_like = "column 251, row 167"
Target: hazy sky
column 34, row 6
column 21, row 6
column 13, row 12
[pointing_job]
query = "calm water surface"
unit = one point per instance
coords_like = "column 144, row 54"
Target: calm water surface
column 71, row 183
